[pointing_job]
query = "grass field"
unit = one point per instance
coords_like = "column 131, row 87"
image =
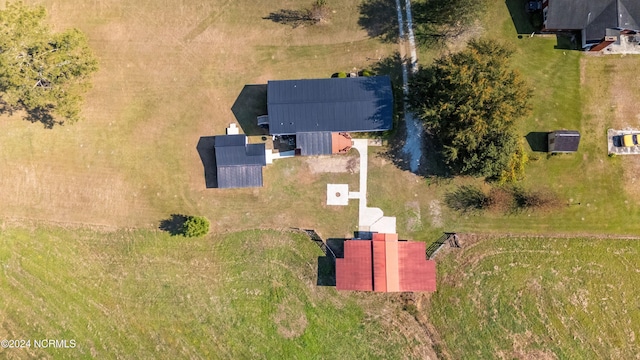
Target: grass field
column 539, row 298
column 142, row 295
column 82, row 257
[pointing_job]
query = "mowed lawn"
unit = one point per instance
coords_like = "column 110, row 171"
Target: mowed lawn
column 170, row 73
column 535, row 298
column 142, row 295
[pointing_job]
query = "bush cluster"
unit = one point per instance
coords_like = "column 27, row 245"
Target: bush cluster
column 469, row 198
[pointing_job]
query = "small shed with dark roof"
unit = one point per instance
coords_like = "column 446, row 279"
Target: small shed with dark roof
column 238, row 164
column 563, row 141
column 359, row 104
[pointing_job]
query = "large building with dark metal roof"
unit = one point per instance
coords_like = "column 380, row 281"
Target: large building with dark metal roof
column 359, row 104
column 238, row 164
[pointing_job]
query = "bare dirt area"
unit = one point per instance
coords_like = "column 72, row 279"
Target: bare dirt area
column 290, row 318
column 334, row 164
column 403, row 313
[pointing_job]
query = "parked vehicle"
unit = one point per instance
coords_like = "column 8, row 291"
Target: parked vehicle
column 629, row 140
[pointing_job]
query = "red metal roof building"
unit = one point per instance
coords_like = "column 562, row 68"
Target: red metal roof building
column 385, row 264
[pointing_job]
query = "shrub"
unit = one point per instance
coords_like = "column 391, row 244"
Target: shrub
column 534, row 199
column 515, row 169
column 195, row 226
column 500, row 200
column 366, row 72
column 466, row 198
column 342, row 74
column 319, row 12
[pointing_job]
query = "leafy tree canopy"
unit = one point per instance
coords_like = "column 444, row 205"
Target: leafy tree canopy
column 470, row 102
column 42, row 72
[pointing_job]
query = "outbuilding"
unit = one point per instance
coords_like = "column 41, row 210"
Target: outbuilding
column 563, row 141
column 385, row 264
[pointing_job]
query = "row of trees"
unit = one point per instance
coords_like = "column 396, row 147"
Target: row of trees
column 470, row 102
column 42, row 72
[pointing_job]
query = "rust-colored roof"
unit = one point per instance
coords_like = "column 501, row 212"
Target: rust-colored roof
column 355, row 271
column 379, row 266
column 340, row 143
column 602, row 45
column 416, row 273
column 386, row 265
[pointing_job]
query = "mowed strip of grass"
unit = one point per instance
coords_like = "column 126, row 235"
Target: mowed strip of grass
column 141, row 294
column 539, row 298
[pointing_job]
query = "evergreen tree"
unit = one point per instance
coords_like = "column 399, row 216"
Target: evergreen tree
column 470, row 102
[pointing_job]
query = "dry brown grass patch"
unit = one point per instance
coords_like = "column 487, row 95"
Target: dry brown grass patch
column 290, row 317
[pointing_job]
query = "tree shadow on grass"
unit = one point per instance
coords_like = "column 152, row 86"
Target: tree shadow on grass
column 538, row 141
column 43, row 116
column 290, row 17
column 380, row 19
column 251, row 103
column 207, row 154
column 40, row 114
column 174, row 225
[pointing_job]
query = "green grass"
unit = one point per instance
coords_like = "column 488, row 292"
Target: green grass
column 569, row 91
column 515, row 297
column 141, row 294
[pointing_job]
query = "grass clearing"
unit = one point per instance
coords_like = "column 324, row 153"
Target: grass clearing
column 541, row 298
column 142, row 294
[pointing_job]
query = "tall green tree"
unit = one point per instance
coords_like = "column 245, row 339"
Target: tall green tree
column 42, row 72
column 470, row 102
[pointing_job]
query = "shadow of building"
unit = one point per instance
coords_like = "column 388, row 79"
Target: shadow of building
column 206, row 151
column 537, row 141
column 251, row 103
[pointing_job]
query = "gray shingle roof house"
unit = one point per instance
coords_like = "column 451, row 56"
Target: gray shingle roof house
column 598, row 20
column 563, row 141
column 359, row 104
column 238, row 164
